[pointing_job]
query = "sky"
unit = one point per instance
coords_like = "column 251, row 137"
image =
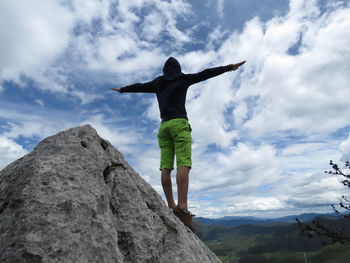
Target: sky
column 262, row 135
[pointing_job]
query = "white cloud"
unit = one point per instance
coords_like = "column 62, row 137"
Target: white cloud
column 9, row 151
column 220, row 7
column 96, row 35
column 152, row 26
column 119, row 36
column 345, row 150
column 216, row 37
column 152, row 112
column 312, row 190
column 30, row 121
column 239, row 170
column 206, row 113
column 147, row 162
column 171, row 10
column 240, row 113
column 40, row 127
column 301, row 158
column 123, row 138
column 238, row 206
column 196, row 61
column 85, row 97
column 87, row 11
column 297, row 92
column 33, row 35
column 254, row 203
column 39, row 102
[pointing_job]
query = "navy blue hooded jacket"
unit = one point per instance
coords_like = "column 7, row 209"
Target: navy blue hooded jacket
column 171, row 87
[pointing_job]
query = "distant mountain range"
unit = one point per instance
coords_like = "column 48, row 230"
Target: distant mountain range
column 251, row 220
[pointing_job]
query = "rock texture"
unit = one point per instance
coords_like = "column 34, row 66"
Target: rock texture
column 75, row 199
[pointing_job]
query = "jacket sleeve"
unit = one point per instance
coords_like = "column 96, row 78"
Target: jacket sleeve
column 147, row 87
column 207, row 74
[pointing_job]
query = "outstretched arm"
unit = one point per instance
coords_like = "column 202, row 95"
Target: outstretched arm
column 116, row 89
column 212, row 72
column 237, row 65
column 147, row 87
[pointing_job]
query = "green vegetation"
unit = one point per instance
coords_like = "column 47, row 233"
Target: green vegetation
column 335, row 233
column 274, row 243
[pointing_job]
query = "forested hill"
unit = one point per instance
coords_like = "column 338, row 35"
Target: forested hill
column 238, row 221
column 275, row 242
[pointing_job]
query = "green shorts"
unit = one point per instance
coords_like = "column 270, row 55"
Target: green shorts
column 174, row 138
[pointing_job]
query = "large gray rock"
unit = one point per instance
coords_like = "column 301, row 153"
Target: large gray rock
column 75, row 199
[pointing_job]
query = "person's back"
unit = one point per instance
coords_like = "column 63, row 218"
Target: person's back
column 171, row 90
column 174, row 135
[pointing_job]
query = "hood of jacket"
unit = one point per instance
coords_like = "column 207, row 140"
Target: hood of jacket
column 172, row 69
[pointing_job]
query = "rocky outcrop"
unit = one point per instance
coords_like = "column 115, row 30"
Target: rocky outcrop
column 75, row 199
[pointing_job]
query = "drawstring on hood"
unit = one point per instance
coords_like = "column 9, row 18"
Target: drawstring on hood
column 172, row 69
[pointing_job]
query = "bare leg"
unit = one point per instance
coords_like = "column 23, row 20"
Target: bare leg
column 167, row 187
column 182, row 179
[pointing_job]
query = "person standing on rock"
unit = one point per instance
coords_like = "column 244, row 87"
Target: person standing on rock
column 174, row 135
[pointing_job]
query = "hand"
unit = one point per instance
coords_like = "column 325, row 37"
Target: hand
column 236, row 66
column 116, row 89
